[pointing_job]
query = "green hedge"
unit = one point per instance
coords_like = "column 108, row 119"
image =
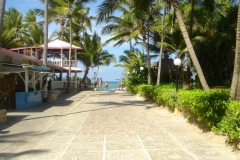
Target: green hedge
column 230, row 124
column 207, row 108
column 210, row 109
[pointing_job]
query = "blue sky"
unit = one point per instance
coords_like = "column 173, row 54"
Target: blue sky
column 107, row 73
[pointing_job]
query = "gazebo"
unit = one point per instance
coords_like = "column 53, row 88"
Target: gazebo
column 57, row 56
column 22, row 68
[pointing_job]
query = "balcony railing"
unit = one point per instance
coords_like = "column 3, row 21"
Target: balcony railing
column 65, row 63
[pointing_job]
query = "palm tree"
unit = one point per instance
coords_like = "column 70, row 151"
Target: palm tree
column 81, row 22
column 142, row 20
column 33, row 34
column 143, row 6
column 161, row 48
column 92, row 54
column 132, row 61
column 235, row 86
column 54, row 14
column 189, row 45
column 12, row 29
column 45, row 33
column 2, row 10
column 69, row 8
column 120, row 29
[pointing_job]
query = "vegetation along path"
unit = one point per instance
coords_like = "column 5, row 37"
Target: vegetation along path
column 104, row 125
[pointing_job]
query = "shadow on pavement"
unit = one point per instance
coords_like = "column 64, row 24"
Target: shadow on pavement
column 11, row 120
column 17, row 115
column 9, row 155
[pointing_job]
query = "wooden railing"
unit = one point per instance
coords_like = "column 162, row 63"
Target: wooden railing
column 65, row 63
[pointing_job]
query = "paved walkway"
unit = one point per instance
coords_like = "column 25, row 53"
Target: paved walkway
column 103, row 126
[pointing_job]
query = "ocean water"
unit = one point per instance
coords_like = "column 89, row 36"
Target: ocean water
column 111, row 85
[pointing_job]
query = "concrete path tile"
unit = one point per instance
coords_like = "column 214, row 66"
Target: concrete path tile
column 104, row 126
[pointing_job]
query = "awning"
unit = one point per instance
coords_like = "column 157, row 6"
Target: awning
column 41, row 68
column 8, row 72
column 74, row 69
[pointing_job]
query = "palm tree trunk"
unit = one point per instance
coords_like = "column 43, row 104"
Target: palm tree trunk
column 186, row 82
column 70, row 55
column 235, row 86
column 161, row 49
column 189, row 46
column 148, row 56
column 2, row 10
column 45, row 33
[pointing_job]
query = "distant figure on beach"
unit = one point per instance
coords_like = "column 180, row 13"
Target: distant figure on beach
column 106, row 85
column 96, row 84
column 100, row 84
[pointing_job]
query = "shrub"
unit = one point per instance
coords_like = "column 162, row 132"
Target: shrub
column 230, row 124
column 145, row 91
column 207, row 108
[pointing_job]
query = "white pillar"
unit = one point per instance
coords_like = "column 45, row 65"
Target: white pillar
column 75, row 79
column 26, row 80
column 76, row 58
column 61, row 76
column 61, row 57
column 34, row 82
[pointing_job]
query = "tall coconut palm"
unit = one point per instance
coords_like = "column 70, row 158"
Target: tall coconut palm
column 143, row 6
column 69, row 8
column 235, row 86
column 141, row 18
column 120, row 29
column 33, row 34
column 92, row 54
column 12, row 29
column 161, row 48
column 54, row 15
column 81, row 22
column 45, row 33
column 189, row 46
column 2, row 10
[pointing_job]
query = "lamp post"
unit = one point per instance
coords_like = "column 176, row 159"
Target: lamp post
column 140, row 74
column 177, row 62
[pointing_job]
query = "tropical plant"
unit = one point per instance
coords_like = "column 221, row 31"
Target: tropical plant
column 93, row 54
column 33, row 34
column 2, row 10
column 142, row 22
column 12, row 29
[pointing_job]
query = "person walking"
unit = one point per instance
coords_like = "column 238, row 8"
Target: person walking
column 100, row 84
column 96, row 84
column 106, row 85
